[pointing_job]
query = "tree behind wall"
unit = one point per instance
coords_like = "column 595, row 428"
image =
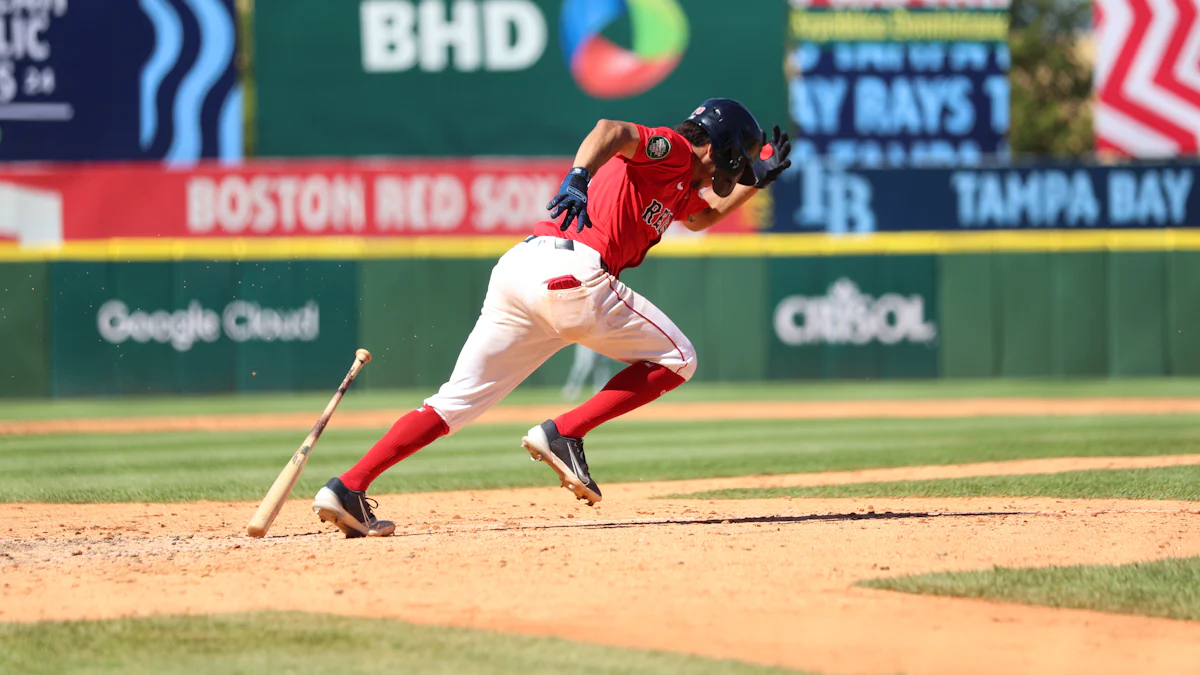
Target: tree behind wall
column 1051, row 78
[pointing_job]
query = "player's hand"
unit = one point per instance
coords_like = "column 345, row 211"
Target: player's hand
column 772, row 160
column 572, row 198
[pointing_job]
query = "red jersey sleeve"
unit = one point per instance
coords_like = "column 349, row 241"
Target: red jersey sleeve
column 661, row 151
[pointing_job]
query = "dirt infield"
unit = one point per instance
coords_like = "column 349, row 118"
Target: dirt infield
column 664, row 411
column 768, row 581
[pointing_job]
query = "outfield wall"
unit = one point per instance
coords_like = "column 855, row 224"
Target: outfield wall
column 106, row 327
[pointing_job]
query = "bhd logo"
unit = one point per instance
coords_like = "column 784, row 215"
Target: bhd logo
column 489, row 35
column 605, row 70
column 511, row 35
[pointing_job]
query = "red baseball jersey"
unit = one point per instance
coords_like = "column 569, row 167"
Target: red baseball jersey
column 631, row 202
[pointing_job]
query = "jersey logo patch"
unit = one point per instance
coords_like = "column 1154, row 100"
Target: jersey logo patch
column 658, row 147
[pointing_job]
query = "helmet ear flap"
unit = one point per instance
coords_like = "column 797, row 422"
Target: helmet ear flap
column 748, row 176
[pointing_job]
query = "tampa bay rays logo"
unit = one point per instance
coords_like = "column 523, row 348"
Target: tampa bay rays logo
column 190, row 102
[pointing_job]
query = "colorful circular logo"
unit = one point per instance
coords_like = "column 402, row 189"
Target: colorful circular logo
column 606, row 70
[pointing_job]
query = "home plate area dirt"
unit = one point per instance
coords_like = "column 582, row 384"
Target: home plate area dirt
column 767, row 581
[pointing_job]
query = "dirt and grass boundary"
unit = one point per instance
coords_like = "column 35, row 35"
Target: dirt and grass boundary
column 770, row 581
column 663, row 411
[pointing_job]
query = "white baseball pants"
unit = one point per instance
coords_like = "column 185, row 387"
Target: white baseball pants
column 523, row 323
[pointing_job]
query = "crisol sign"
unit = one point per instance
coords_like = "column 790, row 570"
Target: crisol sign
column 240, row 321
column 847, row 316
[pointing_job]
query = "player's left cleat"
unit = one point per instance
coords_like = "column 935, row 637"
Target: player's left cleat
column 565, row 456
column 350, row 511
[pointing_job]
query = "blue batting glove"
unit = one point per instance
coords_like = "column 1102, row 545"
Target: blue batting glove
column 572, row 198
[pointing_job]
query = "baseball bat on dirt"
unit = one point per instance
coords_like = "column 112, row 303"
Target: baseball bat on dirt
column 278, row 494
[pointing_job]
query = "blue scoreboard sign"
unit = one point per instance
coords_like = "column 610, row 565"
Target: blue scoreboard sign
column 118, row 80
column 899, row 84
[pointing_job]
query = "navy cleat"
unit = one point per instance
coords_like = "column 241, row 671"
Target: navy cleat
column 350, row 511
column 565, row 455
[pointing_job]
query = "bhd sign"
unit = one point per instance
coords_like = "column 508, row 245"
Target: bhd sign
column 494, row 35
column 499, row 77
column 500, row 35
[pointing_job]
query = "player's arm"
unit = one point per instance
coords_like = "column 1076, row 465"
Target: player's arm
column 608, row 138
column 772, row 162
column 602, row 144
column 718, row 207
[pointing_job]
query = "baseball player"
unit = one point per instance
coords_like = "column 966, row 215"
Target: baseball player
column 561, row 286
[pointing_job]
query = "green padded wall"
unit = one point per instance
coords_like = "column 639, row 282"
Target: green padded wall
column 1026, row 312
column 1079, row 320
column 1183, row 313
column 966, row 289
column 1137, row 293
column 24, row 330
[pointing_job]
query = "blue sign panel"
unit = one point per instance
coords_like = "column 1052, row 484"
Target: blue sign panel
column 899, row 87
column 119, row 79
column 821, row 198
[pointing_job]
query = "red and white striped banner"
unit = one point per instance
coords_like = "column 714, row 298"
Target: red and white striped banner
column 1147, row 78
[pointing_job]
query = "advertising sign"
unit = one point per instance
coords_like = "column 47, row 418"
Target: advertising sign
column 119, row 79
column 899, row 84
column 286, row 199
column 854, row 317
column 816, row 197
column 501, row 77
column 1146, row 79
column 130, row 328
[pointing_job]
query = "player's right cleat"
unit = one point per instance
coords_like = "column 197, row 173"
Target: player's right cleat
column 565, row 456
column 350, row 511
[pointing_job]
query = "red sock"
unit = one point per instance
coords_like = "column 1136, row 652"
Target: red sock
column 632, row 388
column 409, row 434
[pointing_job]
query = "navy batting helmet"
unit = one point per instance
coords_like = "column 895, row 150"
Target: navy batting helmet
column 734, row 134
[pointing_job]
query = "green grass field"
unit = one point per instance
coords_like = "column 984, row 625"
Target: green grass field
column 1176, row 482
column 236, row 466
column 317, row 644
column 1167, row 588
column 405, row 399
